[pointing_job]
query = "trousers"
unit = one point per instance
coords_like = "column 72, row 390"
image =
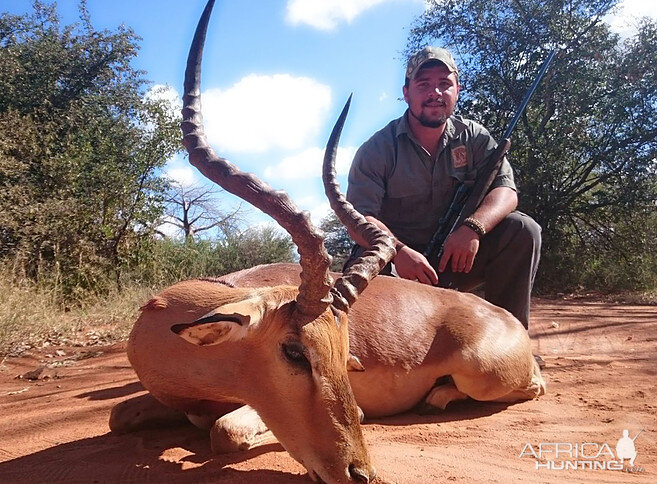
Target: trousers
column 505, row 265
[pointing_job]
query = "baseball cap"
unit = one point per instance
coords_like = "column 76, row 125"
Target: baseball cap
column 427, row 54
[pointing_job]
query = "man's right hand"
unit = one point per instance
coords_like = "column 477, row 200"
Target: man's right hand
column 412, row 265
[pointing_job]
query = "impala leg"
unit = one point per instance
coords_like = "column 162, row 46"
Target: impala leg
column 143, row 412
column 489, row 387
column 441, row 395
column 537, row 387
column 238, row 430
column 361, row 415
column 534, row 389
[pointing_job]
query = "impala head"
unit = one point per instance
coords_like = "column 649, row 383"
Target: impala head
column 259, row 349
column 286, row 348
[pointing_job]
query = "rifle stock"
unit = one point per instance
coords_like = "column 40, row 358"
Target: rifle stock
column 465, row 201
column 485, row 179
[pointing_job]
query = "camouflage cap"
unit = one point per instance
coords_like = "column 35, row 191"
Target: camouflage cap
column 427, row 54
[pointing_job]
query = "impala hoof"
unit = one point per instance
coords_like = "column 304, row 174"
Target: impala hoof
column 540, row 361
column 361, row 475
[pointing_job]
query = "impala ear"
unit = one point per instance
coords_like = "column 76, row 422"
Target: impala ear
column 354, row 364
column 229, row 322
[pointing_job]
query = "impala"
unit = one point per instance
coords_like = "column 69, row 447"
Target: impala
column 294, row 349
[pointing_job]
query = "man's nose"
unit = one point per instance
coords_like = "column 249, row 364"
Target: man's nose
column 435, row 92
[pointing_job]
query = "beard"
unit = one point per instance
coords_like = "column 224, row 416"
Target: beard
column 430, row 121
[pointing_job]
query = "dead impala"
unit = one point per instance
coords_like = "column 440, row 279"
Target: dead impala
column 280, row 338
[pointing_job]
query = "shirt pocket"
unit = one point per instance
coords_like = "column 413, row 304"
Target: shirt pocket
column 410, row 210
column 460, row 175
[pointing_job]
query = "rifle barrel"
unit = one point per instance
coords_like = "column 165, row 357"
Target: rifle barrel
column 461, row 209
column 529, row 94
column 638, row 434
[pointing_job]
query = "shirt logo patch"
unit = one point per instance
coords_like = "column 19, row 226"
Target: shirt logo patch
column 460, row 157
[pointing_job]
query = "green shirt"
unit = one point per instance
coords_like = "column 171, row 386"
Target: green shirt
column 394, row 179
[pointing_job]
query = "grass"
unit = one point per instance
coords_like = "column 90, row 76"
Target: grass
column 32, row 317
column 635, row 298
column 625, row 298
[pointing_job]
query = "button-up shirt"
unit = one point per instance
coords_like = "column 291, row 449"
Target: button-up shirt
column 394, row 179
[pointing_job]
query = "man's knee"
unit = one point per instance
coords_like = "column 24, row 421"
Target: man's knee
column 531, row 231
column 523, row 229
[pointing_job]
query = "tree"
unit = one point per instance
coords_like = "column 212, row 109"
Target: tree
column 80, row 143
column 177, row 260
column 584, row 152
column 194, row 210
column 254, row 246
column 337, row 241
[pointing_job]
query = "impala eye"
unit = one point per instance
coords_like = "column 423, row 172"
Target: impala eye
column 294, row 354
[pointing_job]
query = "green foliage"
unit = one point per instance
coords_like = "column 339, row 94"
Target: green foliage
column 255, row 246
column 81, row 198
column 80, row 145
column 337, row 242
column 602, row 263
column 33, row 312
column 585, row 151
column 175, row 260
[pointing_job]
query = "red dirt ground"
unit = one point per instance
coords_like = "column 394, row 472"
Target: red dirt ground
column 600, row 375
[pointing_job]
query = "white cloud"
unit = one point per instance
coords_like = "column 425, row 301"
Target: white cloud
column 326, row 14
column 179, row 171
column 431, row 4
column 183, row 176
column 261, row 112
column 170, row 99
column 168, row 94
column 308, row 164
column 318, row 212
column 624, row 20
column 316, row 205
column 168, row 228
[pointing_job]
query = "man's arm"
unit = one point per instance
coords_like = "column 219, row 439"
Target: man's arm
column 409, row 263
column 463, row 244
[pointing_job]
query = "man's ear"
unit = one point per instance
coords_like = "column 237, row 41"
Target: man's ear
column 229, row 322
column 405, row 93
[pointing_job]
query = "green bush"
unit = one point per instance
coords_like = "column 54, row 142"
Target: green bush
column 172, row 260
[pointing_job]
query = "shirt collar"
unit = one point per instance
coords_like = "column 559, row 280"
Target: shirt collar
column 402, row 126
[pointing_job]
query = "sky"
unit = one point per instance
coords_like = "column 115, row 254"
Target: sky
column 276, row 74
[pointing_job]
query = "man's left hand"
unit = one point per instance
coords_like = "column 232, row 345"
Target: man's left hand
column 461, row 247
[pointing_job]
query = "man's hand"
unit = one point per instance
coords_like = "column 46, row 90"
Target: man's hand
column 412, row 265
column 461, row 247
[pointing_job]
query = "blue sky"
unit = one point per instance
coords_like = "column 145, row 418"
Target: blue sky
column 276, row 74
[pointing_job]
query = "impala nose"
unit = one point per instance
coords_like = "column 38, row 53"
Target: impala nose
column 360, row 474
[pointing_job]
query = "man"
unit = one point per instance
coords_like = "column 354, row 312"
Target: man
column 403, row 178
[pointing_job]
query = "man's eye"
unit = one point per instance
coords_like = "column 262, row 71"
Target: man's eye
column 294, row 354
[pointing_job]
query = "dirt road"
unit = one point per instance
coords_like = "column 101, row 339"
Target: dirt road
column 601, row 375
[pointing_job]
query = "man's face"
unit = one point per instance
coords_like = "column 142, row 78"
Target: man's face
column 431, row 96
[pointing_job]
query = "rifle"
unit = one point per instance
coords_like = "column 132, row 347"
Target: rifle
column 469, row 194
column 638, row 434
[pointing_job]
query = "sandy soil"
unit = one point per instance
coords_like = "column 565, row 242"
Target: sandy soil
column 601, row 379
